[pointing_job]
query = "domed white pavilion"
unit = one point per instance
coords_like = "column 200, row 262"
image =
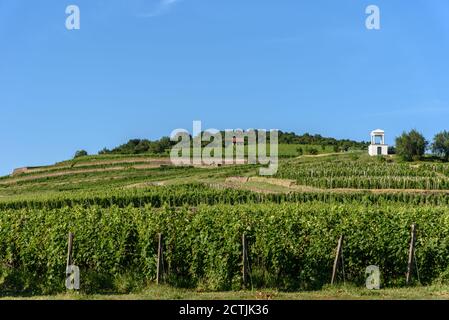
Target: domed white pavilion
column 378, row 146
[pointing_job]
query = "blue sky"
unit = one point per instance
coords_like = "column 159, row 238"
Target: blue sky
column 141, row 68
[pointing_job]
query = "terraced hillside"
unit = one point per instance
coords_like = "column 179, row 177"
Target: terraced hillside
column 350, row 172
column 108, row 172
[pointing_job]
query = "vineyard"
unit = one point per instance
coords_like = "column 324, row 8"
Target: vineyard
column 363, row 173
column 117, row 215
column 291, row 246
column 196, row 194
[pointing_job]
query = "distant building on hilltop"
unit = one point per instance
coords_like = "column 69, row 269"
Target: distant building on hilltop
column 378, row 146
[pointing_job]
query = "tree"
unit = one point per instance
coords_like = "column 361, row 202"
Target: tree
column 160, row 146
column 440, row 145
column 80, row 153
column 411, row 146
column 142, row 147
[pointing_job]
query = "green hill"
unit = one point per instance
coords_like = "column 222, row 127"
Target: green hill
column 117, row 204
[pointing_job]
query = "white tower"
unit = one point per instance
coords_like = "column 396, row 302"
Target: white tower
column 378, row 146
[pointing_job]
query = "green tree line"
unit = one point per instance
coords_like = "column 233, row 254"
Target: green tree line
column 412, row 145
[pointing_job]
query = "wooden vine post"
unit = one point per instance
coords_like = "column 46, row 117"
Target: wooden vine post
column 72, row 272
column 337, row 258
column 245, row 259
column 160, row 257
column 411, row 255
column 70, row 250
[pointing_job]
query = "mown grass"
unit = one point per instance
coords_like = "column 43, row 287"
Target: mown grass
column 153, row 292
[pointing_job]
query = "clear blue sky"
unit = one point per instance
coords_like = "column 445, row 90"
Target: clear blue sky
column 141, row 68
